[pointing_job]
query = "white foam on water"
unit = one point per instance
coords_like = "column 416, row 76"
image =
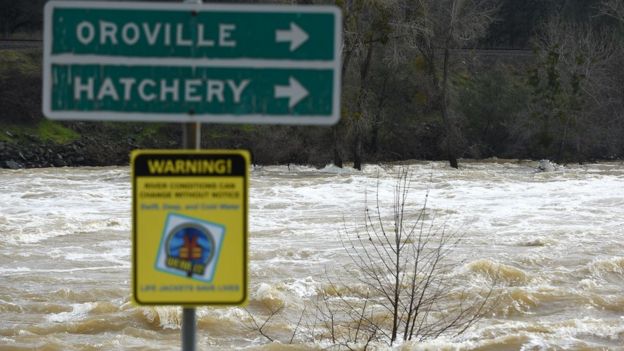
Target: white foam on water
column 112, row 252
column 267, row 293
column 306, row 287
column 29, row 271
column 545, row 226
column 7, row 270
column 78, row 312
column 167, row 317
column 601, row 266
column 57, row 202
column 229, row 314
column 333, row 169
column 554, row 235
column 6, row 340
column 539, row 335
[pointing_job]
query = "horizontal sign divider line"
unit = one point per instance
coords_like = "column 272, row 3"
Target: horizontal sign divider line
column 189, row 62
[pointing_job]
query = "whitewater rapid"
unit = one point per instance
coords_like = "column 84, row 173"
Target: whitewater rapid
column 554, row 239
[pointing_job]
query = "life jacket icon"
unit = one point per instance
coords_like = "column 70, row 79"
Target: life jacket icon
column 190, row 248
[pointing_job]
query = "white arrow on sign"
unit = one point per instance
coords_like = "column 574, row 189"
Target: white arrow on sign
column 295, row 35
column 294, row 91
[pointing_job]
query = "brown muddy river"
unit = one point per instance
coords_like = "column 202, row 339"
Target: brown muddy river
column 556, row 240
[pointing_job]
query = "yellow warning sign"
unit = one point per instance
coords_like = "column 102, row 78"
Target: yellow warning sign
column 190, row 227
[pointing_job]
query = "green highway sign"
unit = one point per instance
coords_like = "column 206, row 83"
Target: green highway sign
column 192, row 91
column 184, row 62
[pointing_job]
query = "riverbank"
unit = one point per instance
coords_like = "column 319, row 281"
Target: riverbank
column 410, row 130
column 79, row 144
column 57, row 144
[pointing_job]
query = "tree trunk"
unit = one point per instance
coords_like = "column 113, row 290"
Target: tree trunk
column 337, row 157
column 357, row 142
column 448, row 127
column 560, row 153
column 357, row 152
column 346, row 60
column 374, row 146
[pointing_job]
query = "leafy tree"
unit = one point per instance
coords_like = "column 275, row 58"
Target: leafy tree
column 366, row 31
column 435, row 28
column 20, row 16
column 517, row 20
column 614, row 9
column 492, row 102
column 572, row 61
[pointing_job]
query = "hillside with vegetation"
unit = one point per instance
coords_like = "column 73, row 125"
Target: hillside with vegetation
column 427, row 79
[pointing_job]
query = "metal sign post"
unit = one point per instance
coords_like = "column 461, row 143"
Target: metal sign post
column 189, row 326
column 191, row 140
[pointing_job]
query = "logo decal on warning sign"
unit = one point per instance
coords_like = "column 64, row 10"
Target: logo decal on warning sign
column 190, row 247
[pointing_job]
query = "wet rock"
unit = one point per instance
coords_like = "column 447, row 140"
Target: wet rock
column 13, row 165
column 59, row 162
column 547, row 166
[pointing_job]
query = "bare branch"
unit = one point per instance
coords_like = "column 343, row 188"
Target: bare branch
column 260, row 328
column 408, row 273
